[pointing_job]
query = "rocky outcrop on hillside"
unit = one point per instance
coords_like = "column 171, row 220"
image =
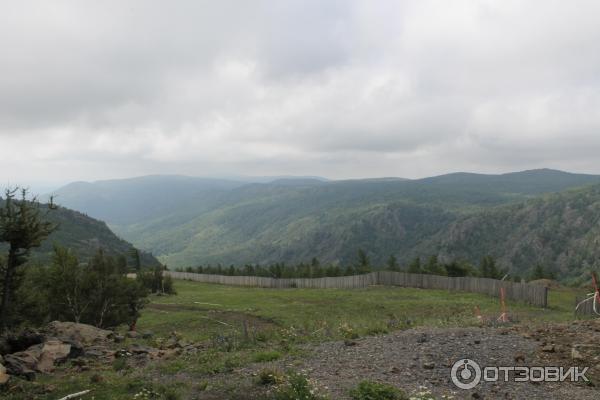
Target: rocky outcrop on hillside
column 33, row 352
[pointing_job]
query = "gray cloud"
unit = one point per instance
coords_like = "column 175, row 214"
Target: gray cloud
column 93, row 90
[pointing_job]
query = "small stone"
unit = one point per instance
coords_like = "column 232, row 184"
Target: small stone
column 477, row 341
column 147, row 335
column 350, row 343
column 422, row 338
column 549, row 348
column 519, row 357
column 429, row 365
column 119, row 338
column 476, row 395
column 4, row 377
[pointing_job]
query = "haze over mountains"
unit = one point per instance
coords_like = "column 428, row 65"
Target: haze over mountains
column 190, row 221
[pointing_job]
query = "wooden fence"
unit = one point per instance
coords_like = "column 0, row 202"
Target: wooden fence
column 531, row 294
column 586, row 308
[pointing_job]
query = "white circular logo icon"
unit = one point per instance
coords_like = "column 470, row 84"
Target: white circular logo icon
column 466, row 374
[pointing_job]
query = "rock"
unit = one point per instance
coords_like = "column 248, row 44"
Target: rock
column 122, row 353
column 140, row 349
column 99, row 352
column 147, row 335
column 519, row 357
column 40, row 358
column 575, row 354
column 477, row 341
column 549, row 348
column 77, row 349
column 4, row 377
column 350, row 343
column 21, row 341
column 173, row 343
column 21, row 364
column 86, row 334
column 422, row 338
column 131, row 334
column 52, row 353
column 428, row 365
column 119, row 338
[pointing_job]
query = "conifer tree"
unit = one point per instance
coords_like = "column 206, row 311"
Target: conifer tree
column 23, row 227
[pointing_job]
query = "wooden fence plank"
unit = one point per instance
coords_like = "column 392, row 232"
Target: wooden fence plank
column 531, row 294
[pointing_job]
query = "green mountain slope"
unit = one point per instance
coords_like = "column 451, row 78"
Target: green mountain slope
column 559, row 231
column 294, row 220
column 84, row 235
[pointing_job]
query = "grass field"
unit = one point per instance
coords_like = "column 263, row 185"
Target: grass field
column 199, row 310
column 240, row 326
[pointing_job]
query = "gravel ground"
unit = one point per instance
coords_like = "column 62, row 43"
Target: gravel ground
column 423, row 358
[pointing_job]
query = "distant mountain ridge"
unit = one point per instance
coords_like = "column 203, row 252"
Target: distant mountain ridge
column 189, row 221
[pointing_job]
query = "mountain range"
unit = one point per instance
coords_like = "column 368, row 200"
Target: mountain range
column 521, row 218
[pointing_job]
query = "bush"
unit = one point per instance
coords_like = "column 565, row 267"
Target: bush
column 297, row 387
column 266, row 356
column 120, row 364
column 270, row 376
column 97, row 293
column 367, row 390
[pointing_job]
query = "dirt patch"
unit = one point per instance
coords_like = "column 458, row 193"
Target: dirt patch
column 175, row 307
column 234, row 318
column 239, row 318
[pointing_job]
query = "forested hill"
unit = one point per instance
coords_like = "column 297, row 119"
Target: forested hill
column 85, row 236
column 559, row 231
column 215, row 221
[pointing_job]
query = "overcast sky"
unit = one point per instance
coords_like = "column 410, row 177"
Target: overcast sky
column 106, row 89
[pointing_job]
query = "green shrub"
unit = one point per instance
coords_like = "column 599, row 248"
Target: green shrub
column 265, row 356
column 297, row 387
column 120, row 364
column 270, row 376
column 367, row 390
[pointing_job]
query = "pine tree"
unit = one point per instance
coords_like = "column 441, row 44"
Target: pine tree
column 538, row 272
column 23, row 227
column 392, row 263
column 364, row 264
column 488, row 268
column 415, row 266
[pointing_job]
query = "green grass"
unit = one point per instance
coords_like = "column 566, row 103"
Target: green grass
column 200, row 311
column 240, row 326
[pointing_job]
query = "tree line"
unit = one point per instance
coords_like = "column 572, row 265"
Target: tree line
column 487, row 268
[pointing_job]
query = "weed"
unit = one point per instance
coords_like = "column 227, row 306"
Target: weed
column 266, row 356
column 268, row 376
column 297, row 387
column 367, row 390
column 120, row 364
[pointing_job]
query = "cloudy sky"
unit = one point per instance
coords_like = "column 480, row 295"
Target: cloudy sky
column 105, row 89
